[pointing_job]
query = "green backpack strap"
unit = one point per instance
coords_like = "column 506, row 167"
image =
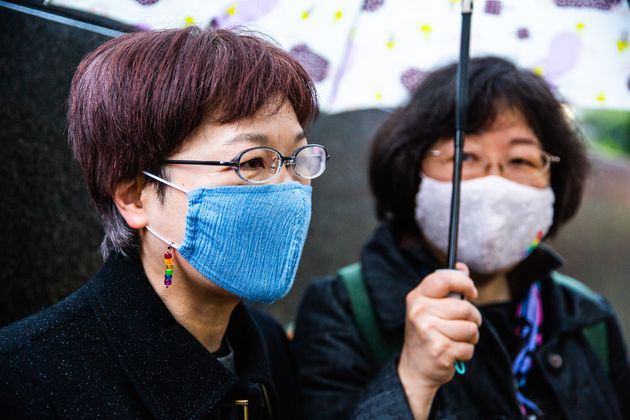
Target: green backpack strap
column 596, row 334
column 381, row 348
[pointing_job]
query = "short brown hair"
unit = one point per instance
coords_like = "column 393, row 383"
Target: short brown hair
column 137, row 98
column 402, row 142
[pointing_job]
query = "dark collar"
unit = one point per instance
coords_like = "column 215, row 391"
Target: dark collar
column 568, row 308
column 391, row 271
column 173, row 373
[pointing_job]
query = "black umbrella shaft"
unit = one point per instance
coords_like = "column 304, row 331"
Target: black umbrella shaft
column 455, row 198
column 461, row 109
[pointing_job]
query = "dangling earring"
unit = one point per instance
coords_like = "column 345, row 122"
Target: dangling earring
column 168, row 267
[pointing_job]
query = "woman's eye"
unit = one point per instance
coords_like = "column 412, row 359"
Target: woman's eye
column 522, row 162
column 253, row 164
column 469, row 157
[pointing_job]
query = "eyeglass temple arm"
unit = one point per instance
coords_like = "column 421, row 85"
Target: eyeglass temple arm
column 202, row 162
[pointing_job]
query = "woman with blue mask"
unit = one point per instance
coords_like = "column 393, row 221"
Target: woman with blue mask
column 384, row 337
column 193, row 147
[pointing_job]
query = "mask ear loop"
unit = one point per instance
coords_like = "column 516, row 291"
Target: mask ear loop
column 168, row 256
column 171, row 244
column 162, row 180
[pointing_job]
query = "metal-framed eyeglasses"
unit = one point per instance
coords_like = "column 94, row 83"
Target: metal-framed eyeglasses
column 261, row 164
column 522, row 166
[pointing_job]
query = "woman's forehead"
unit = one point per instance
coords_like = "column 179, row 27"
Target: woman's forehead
column 508, row 129
column 280, row 130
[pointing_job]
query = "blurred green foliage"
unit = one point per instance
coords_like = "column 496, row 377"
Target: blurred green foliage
column 606, row 131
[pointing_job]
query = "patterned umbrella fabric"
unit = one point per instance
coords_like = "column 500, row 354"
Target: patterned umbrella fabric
column 371, row 53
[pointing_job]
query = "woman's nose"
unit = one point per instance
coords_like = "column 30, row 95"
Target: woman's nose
column 494, row 169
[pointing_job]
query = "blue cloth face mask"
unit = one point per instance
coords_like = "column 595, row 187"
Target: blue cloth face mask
column 246, row 239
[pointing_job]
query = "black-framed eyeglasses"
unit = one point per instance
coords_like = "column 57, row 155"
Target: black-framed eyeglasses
column 261, row 164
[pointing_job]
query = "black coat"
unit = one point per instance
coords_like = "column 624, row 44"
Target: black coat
column 339, row 377
column 113, row 350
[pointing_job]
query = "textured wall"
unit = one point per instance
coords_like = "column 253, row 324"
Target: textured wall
column 50, row 233
column 596, row 244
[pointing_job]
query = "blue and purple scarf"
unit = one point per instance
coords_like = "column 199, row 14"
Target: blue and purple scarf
column 530, row 313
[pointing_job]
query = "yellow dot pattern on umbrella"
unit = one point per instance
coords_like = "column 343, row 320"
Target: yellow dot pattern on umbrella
column 426, row 30
column 415, row 28
column 189, row 21
column 378, row 95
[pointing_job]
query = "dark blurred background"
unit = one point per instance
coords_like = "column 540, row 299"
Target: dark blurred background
column 51, row 233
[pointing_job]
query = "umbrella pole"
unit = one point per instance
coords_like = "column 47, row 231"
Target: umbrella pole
column 461, row 108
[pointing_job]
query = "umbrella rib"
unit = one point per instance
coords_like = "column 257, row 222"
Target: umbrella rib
column 61, row 19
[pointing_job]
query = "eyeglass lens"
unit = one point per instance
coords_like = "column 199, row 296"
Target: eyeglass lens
column 310, row 162
column 521, row 165
column 261, row 164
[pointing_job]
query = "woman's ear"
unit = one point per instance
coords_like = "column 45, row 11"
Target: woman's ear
column 127, row 197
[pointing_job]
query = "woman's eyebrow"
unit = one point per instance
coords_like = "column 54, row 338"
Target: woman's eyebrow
column 259, row 138
column 525, row 140
column 300, row 136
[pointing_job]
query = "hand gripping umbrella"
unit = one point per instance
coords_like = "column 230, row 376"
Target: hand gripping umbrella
column 461, row 109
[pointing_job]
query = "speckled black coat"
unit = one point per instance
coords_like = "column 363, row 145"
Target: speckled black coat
column 112, row 350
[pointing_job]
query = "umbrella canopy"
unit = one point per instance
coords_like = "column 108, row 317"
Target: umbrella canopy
column 370, row 53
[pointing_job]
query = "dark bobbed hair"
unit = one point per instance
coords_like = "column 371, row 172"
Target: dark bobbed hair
column 403, row 140
column 136, row 99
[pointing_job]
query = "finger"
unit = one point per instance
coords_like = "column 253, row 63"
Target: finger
column 441, row 283
column 462, row 351
column 458, row 331
column 451, row 309
column 419, row 306
column 444, row 352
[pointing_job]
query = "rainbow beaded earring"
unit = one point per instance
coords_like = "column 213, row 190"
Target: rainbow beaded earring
column 168, row 267
column 535, row 242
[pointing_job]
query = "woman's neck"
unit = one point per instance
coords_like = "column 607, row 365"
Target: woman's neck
column 205, row 318
column 493, row 288
column 196, row 304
